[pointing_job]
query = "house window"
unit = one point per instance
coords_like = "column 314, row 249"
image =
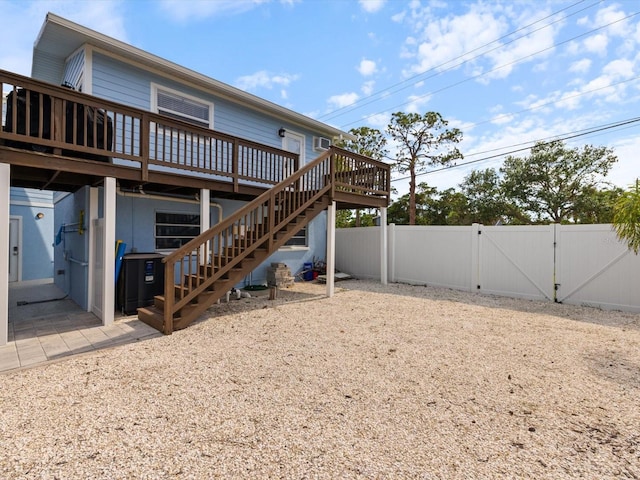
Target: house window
column 299, row 239
column 175, row 229
column 180, row 106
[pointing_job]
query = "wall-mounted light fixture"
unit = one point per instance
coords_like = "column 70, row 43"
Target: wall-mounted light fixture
column 39, row 216
column 281, row 132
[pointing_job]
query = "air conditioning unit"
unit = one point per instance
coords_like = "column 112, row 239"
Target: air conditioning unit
column 321, row 143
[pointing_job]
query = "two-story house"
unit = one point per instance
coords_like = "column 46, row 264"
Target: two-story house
column 168, row 161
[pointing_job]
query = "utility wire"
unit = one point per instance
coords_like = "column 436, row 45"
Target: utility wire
column 553, row 102
column 474, row 77
column 563, row 137
column 358, row 104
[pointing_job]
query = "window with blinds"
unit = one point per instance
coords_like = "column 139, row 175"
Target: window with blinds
column 183, row 107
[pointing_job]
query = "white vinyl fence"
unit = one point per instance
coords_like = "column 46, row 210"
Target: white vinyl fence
column 574, row 264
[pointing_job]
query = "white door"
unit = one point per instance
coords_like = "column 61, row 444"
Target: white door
column 293, row 142
column 15, row 248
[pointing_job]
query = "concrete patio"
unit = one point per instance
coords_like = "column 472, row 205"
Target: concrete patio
column 45, row 325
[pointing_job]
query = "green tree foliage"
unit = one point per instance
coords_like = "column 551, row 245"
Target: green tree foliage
column 626, row 217
column 398, row 211
column 432, row 207
column 422, row 141
column 347, row 218
column 596, row 206
column 369, row 142
column 550, row 182
column 487, row 203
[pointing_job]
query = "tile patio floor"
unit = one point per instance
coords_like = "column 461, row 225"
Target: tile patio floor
column 44, row 325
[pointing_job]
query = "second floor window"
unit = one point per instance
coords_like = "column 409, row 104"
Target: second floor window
column 183, row 107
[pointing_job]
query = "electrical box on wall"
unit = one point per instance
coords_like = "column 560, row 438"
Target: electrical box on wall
column 321, row 143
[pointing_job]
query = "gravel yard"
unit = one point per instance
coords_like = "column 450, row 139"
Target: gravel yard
column 376, row 382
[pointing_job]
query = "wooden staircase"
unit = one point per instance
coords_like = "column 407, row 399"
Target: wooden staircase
column 211, row 264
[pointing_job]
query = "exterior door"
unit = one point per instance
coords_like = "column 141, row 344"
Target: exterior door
column 15, row 248
column 293, row 142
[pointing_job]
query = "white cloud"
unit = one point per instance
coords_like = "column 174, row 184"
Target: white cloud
column 379, row 120
column 596, row 44
column 619, row 69
column 625, row 170
column 371, row 6
column 265, row 79
column 200, row 9
column 367, row 87
column 343, row 100
column 580, row 66
column 535, row 46
column 444, row 39
column 367, row 67
column 452, row 41
column 416, row 103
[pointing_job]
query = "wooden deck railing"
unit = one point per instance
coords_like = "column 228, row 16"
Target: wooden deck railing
column 53, row 119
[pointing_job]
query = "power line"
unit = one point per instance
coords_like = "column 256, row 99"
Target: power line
column 563, row 99
column 563, row 137
column 358, row 104
column 474, row 77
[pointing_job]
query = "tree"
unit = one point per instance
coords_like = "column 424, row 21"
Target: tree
column 371, row 143
column 596, row 206
column 398, row 211
column 626, row 217
column 549, row 183
column 487, row 203
column 423, row 141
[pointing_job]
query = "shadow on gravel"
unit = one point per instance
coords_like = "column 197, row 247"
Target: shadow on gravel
column 597, row 316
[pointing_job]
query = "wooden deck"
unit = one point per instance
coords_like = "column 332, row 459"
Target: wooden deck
column 57, row 139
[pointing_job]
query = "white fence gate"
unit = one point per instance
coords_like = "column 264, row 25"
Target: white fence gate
column 575, row 264
column 516, row 261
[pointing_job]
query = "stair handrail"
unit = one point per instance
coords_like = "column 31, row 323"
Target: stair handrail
column 219, row 249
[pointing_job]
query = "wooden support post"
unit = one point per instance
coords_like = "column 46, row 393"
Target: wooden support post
column 273, row 293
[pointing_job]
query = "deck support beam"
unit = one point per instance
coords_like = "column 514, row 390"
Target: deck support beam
column 384, row 251
column 331, row 249
column 109, row 254
column 205, row 221
column 5, row 188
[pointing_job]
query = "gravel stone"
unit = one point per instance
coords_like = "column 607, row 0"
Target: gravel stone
column 377, row 382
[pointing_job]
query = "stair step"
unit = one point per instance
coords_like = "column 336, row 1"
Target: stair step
column 152, row 317
column 259, row 253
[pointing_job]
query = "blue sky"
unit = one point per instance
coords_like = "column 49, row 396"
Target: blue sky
column 507, row 73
